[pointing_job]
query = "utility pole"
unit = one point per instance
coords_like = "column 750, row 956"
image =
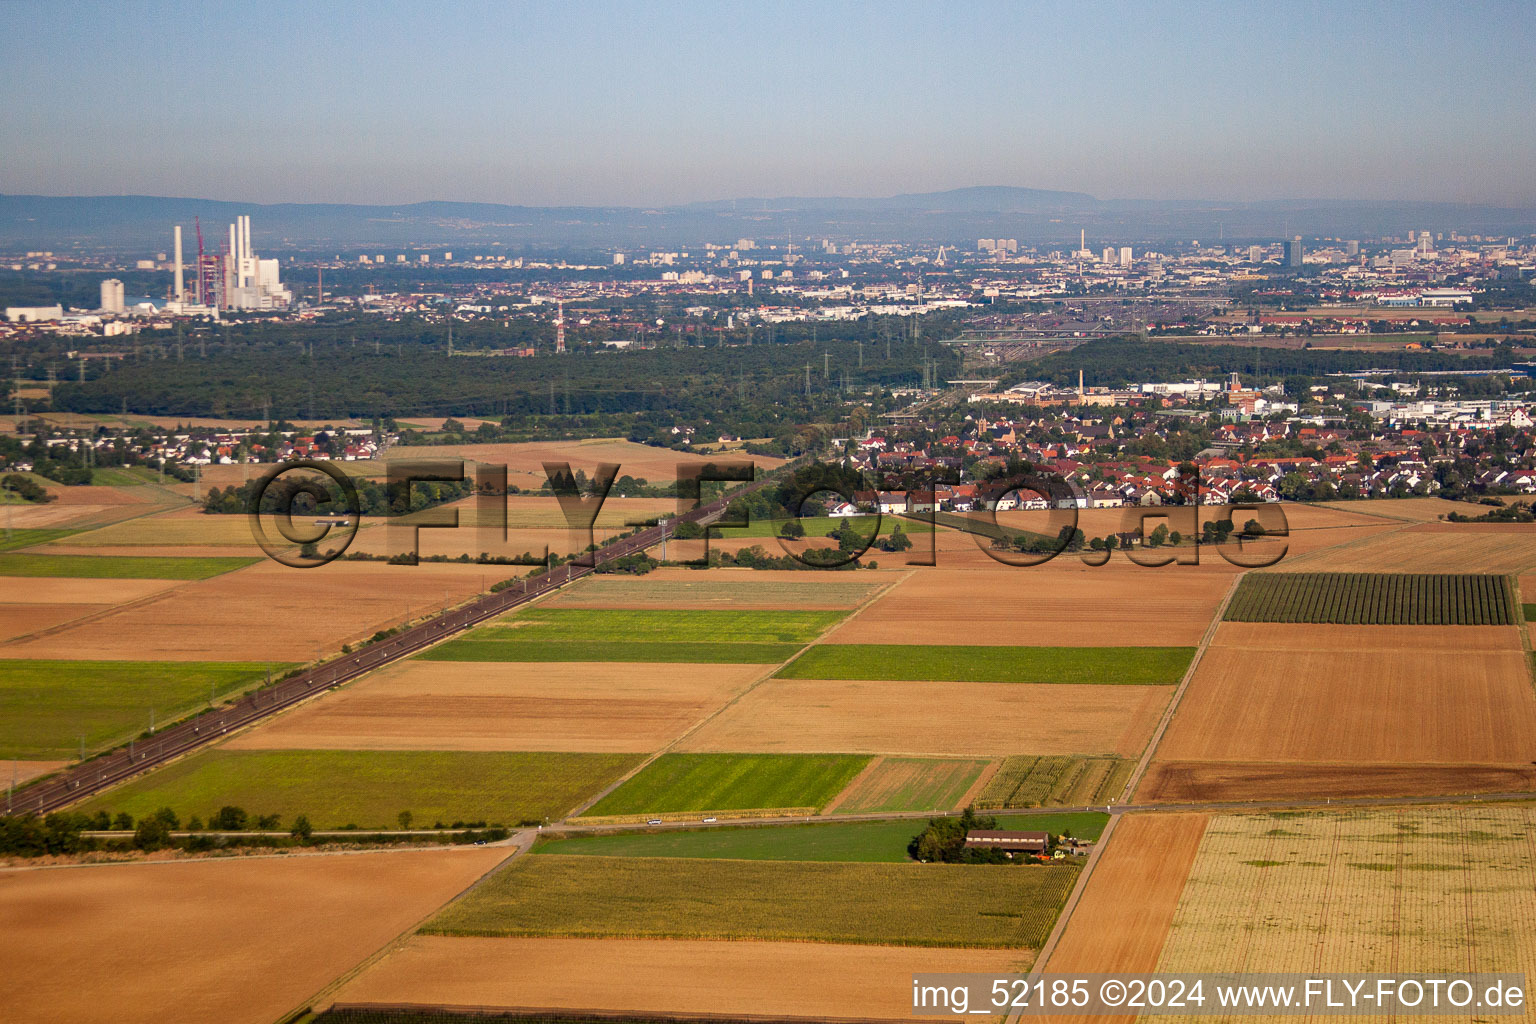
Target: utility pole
column 807, row 380
column 861, row 355
column 826, row 366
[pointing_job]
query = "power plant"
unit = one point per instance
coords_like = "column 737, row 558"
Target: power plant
column 236, row 279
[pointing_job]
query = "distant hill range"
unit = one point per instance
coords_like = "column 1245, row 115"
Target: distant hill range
column 956, row 217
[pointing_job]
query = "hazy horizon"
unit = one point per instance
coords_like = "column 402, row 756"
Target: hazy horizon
column 599, row 105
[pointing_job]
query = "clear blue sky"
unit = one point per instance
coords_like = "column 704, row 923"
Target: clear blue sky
column 640, row 103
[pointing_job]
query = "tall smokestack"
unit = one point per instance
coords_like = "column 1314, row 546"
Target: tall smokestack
column 181, row 292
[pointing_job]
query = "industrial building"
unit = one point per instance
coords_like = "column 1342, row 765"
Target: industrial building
column 236, row 279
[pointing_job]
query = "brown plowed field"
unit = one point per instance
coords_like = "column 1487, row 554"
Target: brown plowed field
column 723, row 588
column 267, row 612
column 445, row 705
column 922, row 718
column 242, row 939
column 21, row 619
column 1287, row 636
column 1407, row 706
column 813, row 980
column 1122, row 921
column 22, row 771
column 93, row 495
column 1214, row 781
column 1065, row 605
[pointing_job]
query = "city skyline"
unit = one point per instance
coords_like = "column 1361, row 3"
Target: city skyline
column 592, row 105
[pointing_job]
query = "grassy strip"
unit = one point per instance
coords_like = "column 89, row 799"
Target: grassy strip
column 10, row 540
column 653, row 625
column 1349, row 598
column 369, row 788
column 685, row 653
column 725, row 782
column 895, row 904
column 47, row 706
column 947, row 663
column 882, row 842
column 120, row 567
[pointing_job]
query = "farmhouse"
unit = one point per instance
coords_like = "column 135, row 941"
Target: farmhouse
column 1007, row 841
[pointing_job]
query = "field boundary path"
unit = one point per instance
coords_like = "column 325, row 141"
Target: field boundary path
column 1075, row 896
column 97, row 774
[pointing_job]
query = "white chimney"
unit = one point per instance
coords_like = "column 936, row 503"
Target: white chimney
column 181, row 292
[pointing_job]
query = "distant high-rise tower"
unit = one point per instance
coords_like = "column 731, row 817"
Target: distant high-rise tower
column 1295, row 255
column 1125, row 255
column 1255, row 254
column 111, row 295
column 560, row 329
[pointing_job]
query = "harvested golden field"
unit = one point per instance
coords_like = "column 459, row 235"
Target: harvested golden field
column 1121, row 921
column 267, row 612
column 934, row 719
column 57, row 516
column 376, row 539
column 1216, row 781
column 1456, row 548
column 1412, row 510
column 1061, row 604
column 664, row 975
column 239, row 939
column 178, row 528
column 564, row 706
column 1414, row 891
column 66, row 590
column 1407, row 706
column 525, row 461
column 723, row 588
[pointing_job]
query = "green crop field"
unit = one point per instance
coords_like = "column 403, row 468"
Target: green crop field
column 862, row 841
column 1029, row 781
column 1404, row 599
column 10, row 540
column 120, row 567
column 912, row 784
column 867, row 841
column 946, row 663
column 114, row 477
column 703, row 654
column 46, row 706
column 821, row 526
column 732, row 782
column 895, row 904
column 369, row 788
column 647, row 635
column 1530, row 612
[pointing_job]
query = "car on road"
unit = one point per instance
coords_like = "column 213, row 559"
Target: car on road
column 654, row 821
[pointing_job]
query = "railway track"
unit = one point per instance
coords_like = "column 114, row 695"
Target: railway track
column 93, row 776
